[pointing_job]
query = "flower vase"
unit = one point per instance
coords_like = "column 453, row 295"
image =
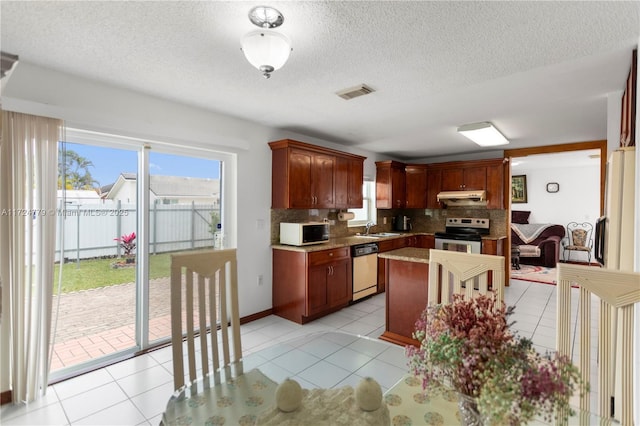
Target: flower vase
column 469, row 413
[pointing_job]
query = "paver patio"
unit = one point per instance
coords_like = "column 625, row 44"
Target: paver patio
column 92, row 323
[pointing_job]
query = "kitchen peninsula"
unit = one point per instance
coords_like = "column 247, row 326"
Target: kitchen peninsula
column 407, row 283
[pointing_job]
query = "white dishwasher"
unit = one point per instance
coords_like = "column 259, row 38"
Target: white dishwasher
column 365, row 270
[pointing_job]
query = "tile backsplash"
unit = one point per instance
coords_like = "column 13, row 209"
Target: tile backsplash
column 423, row 220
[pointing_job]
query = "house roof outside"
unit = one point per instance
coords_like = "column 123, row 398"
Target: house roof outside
column 170, row 186
column 179, row 186
column 79, row 195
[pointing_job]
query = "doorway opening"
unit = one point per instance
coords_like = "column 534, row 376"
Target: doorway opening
column 570, row 174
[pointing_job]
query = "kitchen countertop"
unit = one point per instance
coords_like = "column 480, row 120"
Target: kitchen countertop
column 343, row 242
column 407, row 254
column 354, row 240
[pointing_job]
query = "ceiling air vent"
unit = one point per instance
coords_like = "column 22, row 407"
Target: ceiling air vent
column 354, row 92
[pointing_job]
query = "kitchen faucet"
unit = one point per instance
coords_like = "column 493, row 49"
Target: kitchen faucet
column 368, row 226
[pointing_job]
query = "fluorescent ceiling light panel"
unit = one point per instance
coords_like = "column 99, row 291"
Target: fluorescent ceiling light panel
column 484, row 134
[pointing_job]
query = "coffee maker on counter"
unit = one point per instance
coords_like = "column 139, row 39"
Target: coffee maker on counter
column 402, row 223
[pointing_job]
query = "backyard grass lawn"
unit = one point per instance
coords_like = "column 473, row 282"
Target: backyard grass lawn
column 96, row 273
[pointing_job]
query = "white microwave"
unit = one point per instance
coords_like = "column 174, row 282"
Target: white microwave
column 302, row 234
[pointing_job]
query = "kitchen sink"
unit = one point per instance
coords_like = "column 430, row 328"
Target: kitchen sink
column 379, row 235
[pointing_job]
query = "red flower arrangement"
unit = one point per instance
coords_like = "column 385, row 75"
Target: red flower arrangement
column 468, row 346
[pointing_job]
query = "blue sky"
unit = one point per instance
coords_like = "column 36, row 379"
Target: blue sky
column 108, row 163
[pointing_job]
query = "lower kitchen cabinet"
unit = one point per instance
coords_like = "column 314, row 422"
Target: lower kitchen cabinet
column 307, row 286
column 419, row 241
column 406, row 298
column 383, row 246
column 493, row 247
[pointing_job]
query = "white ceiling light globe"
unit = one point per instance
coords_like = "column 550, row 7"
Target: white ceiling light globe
column 266, row 50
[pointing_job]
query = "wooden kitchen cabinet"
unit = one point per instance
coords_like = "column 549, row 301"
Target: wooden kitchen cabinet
column 495, row 186
column 434, row 186
column 464, row 179
column 420, row 241
column 390, row 185
column 387, row 245
column 310, row 179
column 307, row 286
column 348, row 184
column 416, row 186
column 493, row 247
column 485, row 175
column 406, row 298
column 309, row 176
column 426, row 241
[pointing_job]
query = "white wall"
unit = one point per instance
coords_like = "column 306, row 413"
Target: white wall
column 93, row 106
column 577, row 201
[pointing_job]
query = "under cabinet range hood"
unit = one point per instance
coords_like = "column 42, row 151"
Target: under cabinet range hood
column 463, row 198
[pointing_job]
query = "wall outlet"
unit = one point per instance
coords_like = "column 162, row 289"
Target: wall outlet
column 260, row 280
column 384, row 220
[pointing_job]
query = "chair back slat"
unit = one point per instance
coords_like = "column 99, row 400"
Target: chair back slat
column 453, row 272
column 204, row 284
column 618, row 291
column 202, row 325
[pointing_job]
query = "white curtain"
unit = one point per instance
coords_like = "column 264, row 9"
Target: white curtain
column 28, row 183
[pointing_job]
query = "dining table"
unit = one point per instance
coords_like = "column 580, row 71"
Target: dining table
column 249, row 399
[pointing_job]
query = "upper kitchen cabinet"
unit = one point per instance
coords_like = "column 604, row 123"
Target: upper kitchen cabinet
column 416, row 186
column 485, row 175
column 390, row 185
column 495, row 185
column 349, row 178
column 464, row 178
column 434, row 185
column 307, row 176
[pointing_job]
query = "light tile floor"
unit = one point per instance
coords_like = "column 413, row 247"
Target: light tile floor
column 135, row 391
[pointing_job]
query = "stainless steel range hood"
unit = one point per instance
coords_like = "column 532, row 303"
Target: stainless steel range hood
column 463, row 198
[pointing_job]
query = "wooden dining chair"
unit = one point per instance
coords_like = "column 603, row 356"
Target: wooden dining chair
column 204, row 304
column 617, row 292
column 452, row 272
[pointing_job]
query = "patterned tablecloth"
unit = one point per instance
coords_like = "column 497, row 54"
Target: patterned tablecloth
column 250, row 400
column 236, row 402
column 410, row 405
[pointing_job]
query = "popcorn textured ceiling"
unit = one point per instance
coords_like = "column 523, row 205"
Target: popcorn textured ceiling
column 540, row 71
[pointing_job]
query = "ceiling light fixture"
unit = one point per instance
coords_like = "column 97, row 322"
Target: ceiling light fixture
column 266, row 50
column 484, row 134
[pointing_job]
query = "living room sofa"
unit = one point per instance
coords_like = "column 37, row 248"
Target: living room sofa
column 539, row 244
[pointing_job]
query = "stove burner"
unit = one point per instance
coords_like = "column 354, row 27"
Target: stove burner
column 464, row 229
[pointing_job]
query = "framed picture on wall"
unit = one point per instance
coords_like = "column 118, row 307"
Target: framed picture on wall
column 519, row 189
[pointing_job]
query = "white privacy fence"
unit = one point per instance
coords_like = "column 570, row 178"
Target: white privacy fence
column 90, row 229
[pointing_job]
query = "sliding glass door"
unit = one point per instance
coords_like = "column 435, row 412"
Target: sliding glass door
column 184, row 210
column 94, row 303
column 111, row 298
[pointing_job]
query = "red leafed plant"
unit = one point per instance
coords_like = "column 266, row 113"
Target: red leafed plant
column 468, row 346
column 127, row 242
